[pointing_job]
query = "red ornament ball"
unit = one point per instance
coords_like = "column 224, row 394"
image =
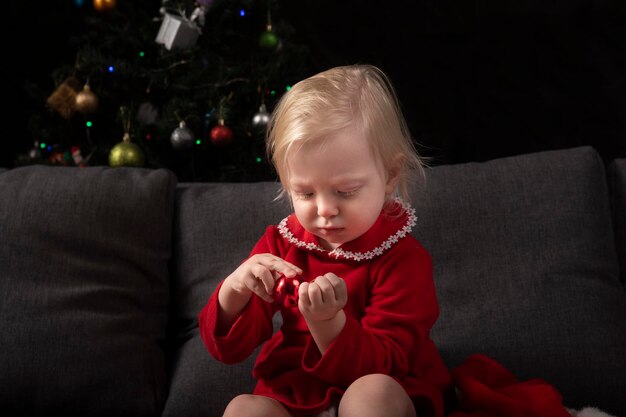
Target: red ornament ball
column 286, row 291
column 221, row 135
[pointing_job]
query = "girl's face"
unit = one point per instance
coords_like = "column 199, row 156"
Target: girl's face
column 337, row 187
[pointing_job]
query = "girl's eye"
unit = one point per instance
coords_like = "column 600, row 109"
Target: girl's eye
column 349, row 193
column 304, row 196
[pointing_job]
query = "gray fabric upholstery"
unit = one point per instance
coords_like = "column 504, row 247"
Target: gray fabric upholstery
column 103, row 273
column 215, row 227
column 84, row 290
column 526, row 270
column 617, row 183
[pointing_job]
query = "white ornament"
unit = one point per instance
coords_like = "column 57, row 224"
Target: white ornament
column 177, row 32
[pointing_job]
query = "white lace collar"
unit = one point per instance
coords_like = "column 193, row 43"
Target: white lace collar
column 404, row 228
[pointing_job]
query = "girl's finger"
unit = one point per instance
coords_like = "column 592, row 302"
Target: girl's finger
column 339, row 285
column 326, row 287
column 286, row 269
column 267, row 278
column 303, row 295
column 275, row 263
column 315, row 294
column 262, row 293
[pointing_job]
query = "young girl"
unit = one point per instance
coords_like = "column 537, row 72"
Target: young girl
column 357, row 343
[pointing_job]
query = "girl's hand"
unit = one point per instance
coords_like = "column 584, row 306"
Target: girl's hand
column 321, row 299
column 257, row 276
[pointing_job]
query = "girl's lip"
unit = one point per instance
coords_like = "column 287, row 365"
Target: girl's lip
column 330, row 229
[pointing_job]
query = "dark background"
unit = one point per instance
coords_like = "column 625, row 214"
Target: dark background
column 477, row 79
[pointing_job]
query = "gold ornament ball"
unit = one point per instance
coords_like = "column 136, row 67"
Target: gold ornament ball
column 126, row 154
column 103, row 5
column 86, row 100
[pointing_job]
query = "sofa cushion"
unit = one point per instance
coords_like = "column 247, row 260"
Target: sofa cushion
column 617, row 183
column 215, row 228
column 526, row 270
column 84, row 284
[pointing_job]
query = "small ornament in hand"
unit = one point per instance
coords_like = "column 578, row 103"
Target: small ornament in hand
column 286, row 291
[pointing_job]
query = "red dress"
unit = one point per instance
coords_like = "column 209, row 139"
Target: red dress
column 391, row 308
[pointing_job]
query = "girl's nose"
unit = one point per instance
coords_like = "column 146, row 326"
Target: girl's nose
column 327, row 207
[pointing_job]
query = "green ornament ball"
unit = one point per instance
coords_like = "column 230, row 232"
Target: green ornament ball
column 126, row 154
column 268, row 40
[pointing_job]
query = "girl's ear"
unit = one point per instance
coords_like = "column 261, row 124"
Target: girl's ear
column 394, row 173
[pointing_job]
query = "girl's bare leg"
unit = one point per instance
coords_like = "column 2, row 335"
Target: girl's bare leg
column 376, row 395
column 248, row 405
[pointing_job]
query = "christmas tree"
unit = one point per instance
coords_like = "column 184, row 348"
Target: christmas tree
column 184, row 85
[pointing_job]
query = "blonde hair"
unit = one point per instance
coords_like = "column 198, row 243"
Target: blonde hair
column 352, row 96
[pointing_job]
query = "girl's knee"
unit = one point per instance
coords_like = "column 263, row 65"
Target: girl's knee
column 376, row 395
column 248, row 405
column 238, row 405
column 376, row 386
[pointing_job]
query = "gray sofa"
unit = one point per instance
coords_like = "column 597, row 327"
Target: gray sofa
column 103, row 272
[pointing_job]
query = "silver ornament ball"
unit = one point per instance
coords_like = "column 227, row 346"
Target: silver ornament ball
column 182, row 137
column 262, row 118
column 147, row 114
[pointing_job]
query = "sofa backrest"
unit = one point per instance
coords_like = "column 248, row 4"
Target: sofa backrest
column 103, row 272
column 215, row 227
column 525, row 269
column 84, row 290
